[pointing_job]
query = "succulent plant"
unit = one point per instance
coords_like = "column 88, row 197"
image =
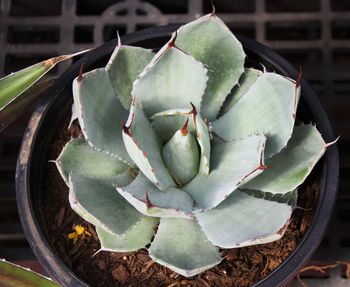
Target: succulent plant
column 187, row 151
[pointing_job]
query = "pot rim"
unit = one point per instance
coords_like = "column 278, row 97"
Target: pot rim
column 281, row 275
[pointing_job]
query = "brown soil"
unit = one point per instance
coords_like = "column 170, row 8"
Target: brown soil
column 241, row 267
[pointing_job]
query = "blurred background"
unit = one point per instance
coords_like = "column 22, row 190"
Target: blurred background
column 314, row 34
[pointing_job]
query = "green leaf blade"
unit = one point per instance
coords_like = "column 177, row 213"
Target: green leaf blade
column 15, row 84
column 19, row 105
column 12, row 275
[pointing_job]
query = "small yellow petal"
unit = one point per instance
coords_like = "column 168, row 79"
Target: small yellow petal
column 79, row 229
column 72, row 235
column 87, row 233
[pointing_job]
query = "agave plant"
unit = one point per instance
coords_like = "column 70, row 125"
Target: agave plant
column 186, row 151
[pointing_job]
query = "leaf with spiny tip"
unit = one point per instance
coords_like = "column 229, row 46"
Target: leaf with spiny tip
column 137, row 237
column 80, row 158
column 151, row 201
column 12, row 275
column 253, row 113
column 144, row 148
column 181, row 156
column 245, row 220
column 181, row 245
column 292, row 165
column 232, row 164
column 210, row 41
column 97, row 202
column 247, row 79
column 164, row 83
column 184, row 129
column 166, row 123
column 125, row 64
column 15, row 84
column 100, row 113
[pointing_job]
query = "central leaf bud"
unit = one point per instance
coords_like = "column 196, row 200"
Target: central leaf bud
column 181, row 155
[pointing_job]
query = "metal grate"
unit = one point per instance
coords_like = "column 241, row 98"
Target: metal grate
column 314, row 34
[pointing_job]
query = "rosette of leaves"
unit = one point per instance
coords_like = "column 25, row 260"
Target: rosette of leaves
column 187, row 151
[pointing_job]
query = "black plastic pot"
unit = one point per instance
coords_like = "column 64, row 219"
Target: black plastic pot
column 51, row 110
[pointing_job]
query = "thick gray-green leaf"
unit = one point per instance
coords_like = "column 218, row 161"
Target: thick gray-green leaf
column 232, row 164
column 144, row 148
column 181, row 245
column 137, row 237
column 149, row 200
column 102, row 205
column 82, row 212
column 166, row 123
column 125, row 64
column 288, row 169
column 172, row 80
column 181, row 156
column 247, row 79
column 210, row 41
column 245, row 220
column 80, row 158
column 267, row 108
column 100, row 113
